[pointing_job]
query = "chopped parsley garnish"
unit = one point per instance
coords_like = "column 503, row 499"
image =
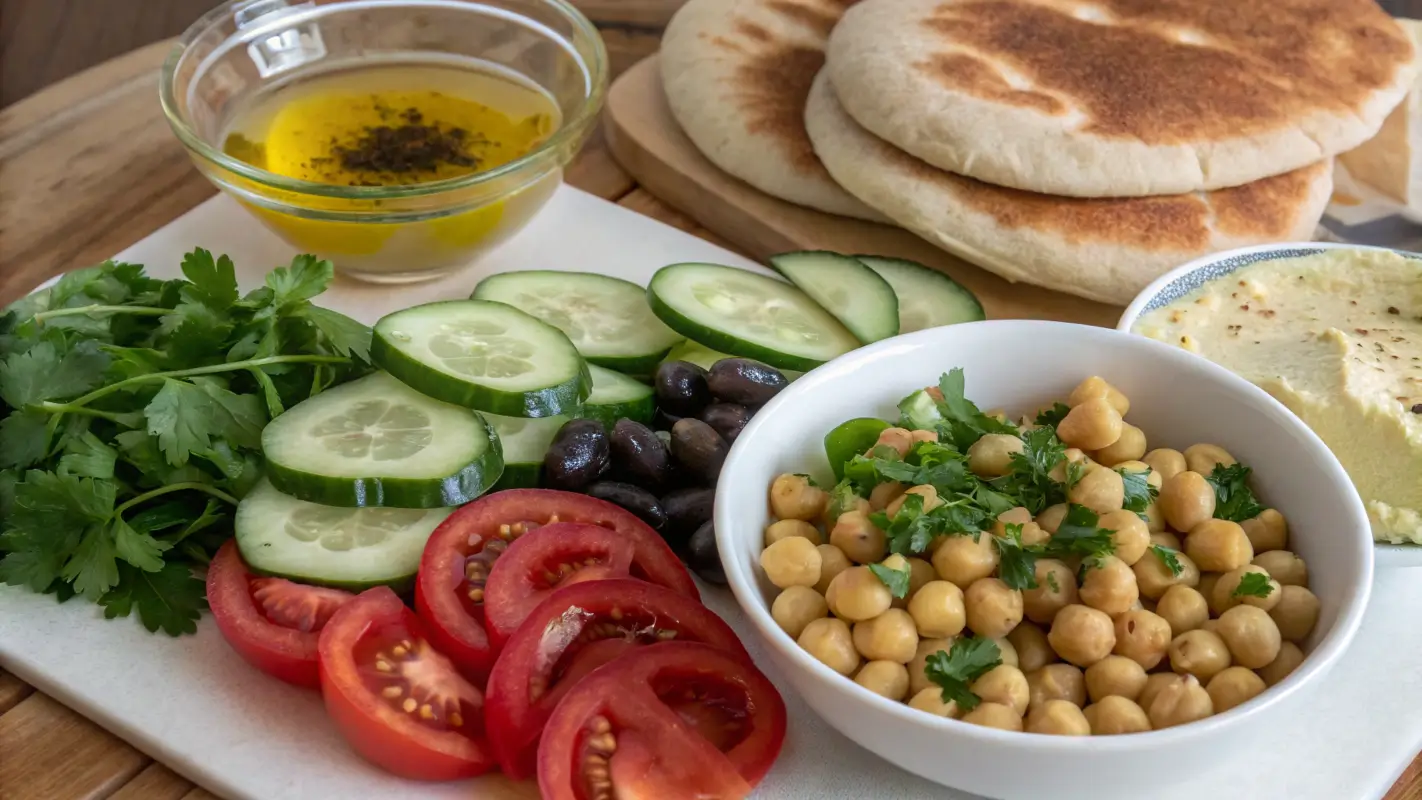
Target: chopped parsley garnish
column 1139, row 492
column 1253, row 584
column 1052, row 582
column 1017, row 564
column 1079, row 535
column 808, row 479
column 842, row 498
column 1030, row 482
column 896, row 579
column 1053, row 416
column 963, row 423
column 911, row 528
column 1233, row 499
column 956, row 669
column 1167, row 557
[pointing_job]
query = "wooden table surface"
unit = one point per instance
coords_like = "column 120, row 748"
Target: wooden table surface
column 87, row 168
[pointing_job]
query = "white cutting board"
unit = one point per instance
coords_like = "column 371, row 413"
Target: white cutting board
column 194, row 705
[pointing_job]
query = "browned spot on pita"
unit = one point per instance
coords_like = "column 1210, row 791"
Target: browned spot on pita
column 1261, row 64
column 819, row 17
column 727, row 44
column 771, row 88
column 964, row 72
column 1265, row 208
column 754, row 32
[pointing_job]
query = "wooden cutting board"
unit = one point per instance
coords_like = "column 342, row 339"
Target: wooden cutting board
column 646, row 140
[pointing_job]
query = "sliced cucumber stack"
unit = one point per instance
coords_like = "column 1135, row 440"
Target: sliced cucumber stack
column 524, row 442
column 855, row 294
column 606, row 318
column 483, row 355
column 349, row 548
column 927, row 297
column 748, row 315
column 615, row 396
column 377, row 442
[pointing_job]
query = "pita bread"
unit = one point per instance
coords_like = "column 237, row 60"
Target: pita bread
column 736, row 74
column 1114, row 98
column 1102, row 249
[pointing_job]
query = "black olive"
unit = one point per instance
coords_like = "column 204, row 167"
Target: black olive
column 699, row 448
column 662, row 421
column 640, row 455
column 702, row 555
column 637, row 500
column 740, row 380
column 681, row 388
column 686, row 510
column 727, row 418
column 579, row 455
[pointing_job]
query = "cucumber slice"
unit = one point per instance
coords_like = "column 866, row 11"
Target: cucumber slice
column 524, row 442
column 377, row 442
column 349, row 548
column 482, row 355
column 927, row 297
column 747, row 315
column 615, row 396
column 606, row 318
column 919, row 412
column 855, row 294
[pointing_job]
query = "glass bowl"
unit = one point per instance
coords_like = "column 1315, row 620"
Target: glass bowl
column 245, row 49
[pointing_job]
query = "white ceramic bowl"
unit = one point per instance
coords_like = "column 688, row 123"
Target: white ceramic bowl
column 1018, row 365
column 1188, row 277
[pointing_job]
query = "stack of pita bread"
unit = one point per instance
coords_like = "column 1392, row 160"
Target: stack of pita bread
column 1086, row 146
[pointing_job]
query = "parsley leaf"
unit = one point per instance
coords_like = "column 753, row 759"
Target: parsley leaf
column 1167, row 557
column 1079, row 535
column 345, row 335
column 92, row 568
column 1052, row 582
column 1030, row 482
column 170, row 599
column 1233, row 499
column 955, row 670
column 214, row 282
column 184, row 418
column 1253, row 584
column 307, row 277
column 1053, row 416
column 896, row 579
column 88, row 456
column 24, row 439
column 910, row 530
column 963, row 423
column 1017, row 565
column 1139, row 492
column 842, row 498
column 44, row 373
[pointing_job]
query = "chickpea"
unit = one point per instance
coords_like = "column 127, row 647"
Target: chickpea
column 1058, row 717
column 1102, row 490
column 1211, row 625
column 1142, row 636
column 1167, row 539
column 1131, row 446
column 1155, row 518
column 1179, row 703
column 1096, row 388
column 1109, row 586
column 833, row 511
column 1288, row 660
column 937, row 610
column 1223, row 598
column 829, row 641
column 1003, row 684
column 1232, row 687
column 1155, row 682
column 1115, row 715
column 1033, row 649
column 1165, row 462
column 857, row 594
column 921, row 573
column 887, row 637
column 1056, row 589
column 791, row 562
column 1186, row 499
column 1296, row 614
column 797, row 607
column 1251, row 634
column 991, row 455
column 1116, row 675
column 923, row 436
column 1006, row 651
column 1129, row 534
column 858, row 538
column 918, row 679
column 1201, row 653
column 1284, row 567
column 1082, row 635
column 885, row 493
column 1183, row 608
column 994, row 715
column 992, row 608
column 964, row 559
column 1154, row 578
column 1058, row 472
column 1092, row 425
column 1056, row 682
column 884, row 678
column 832, row 562
column 900, row 439
column 1051, row 517
column 1206, row 587
column 928, row 493
column 1268, row 531
column 1203, row 458
column 931, row 701
column 1218, row 545
column 1031, row 532
column 791, row 528
column 792, row 497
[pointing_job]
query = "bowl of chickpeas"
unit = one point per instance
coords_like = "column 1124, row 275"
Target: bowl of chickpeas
column 1018, row 557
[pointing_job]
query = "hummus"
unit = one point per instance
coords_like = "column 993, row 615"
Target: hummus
column 1336, row 337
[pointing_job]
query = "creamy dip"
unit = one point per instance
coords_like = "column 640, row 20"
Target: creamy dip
column 1336, row 337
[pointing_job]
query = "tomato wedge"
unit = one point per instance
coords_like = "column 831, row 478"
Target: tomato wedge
column 273, row 623
column 398, row 701
column 450, row 590
column 577, row 629
column 670, row 720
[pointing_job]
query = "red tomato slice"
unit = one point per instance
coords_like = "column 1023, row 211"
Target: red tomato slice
column 563, row 639
column 451, row 587
column 398, row 701
column 273, row 623
column 677, row 719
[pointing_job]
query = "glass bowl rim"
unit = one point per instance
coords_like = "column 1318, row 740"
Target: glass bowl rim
column 570, row 131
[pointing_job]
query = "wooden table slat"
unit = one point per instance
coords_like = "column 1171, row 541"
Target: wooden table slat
column 155, row 782
column 48, row 751
column 12, row 691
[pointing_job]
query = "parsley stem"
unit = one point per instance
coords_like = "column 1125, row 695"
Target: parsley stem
column 175, row 487
column 234, row 366
column 143, row 311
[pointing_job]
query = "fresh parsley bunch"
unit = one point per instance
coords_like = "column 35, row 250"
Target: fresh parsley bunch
column 131, row 412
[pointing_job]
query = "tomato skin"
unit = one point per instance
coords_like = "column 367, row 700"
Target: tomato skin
column 284, row 653
column 660, row 753
column 459, row 632
column 380, row 733
column 534, row 651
